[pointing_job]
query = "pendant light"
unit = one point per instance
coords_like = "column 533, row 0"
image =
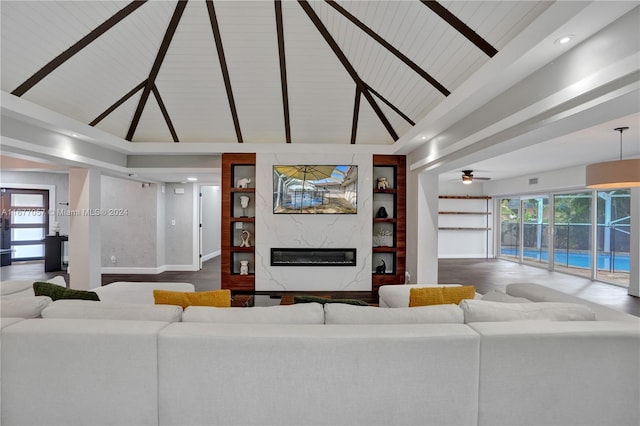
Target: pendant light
column 614, row 174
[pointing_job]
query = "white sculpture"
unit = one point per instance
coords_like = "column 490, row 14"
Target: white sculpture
column 383, row 183
column 244, row 239
column 243, row 183
column 244, row 267
column 244, row 201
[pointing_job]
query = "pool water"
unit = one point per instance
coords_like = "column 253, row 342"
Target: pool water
column 619, row 261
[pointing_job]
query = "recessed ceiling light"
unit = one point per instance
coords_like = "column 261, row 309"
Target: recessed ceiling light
column 564, row 39
column 424, row 138
column 192, row 179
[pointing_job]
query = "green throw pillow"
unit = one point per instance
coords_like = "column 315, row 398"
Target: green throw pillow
column 56, row 292
column 323, row 300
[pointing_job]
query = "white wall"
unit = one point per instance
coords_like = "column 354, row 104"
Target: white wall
column 129, row 234
column 312, row 231
column 211, row 199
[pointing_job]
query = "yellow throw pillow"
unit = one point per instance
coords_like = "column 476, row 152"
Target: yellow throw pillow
column 217, row 298
column 423, row 296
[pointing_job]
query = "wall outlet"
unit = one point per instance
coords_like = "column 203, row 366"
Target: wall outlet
column 173, row 222
column 113, row 259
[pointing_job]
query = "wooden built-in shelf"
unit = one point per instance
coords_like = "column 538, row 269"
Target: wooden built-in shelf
column 392, row 167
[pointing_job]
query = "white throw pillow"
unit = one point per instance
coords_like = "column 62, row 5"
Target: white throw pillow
column 301, row 313
column 486, row 311
column 24, row 307
column 89, row 309
column 499, row 296
column 339, row 313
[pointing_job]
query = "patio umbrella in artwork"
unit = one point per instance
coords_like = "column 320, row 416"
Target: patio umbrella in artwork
column 306, row 173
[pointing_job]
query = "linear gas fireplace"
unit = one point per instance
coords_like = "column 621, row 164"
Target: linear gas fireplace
column 313, row 257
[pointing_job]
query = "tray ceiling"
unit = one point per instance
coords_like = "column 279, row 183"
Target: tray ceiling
column 251, row 71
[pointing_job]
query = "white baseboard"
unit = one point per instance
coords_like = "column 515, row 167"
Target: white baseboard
column 133, row 271
column 151, row 271
column 211, row 255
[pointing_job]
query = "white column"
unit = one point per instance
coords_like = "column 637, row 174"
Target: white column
column 84, row 229
column 634, row 250
column 422, row 227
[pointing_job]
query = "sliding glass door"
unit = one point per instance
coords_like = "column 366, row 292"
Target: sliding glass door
column 572, row 240
column 614, row 236
column 584, row 233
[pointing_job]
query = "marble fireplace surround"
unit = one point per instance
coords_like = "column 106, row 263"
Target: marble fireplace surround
column 312, row 231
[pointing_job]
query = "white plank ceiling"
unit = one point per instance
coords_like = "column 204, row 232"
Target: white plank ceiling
column 190, row 81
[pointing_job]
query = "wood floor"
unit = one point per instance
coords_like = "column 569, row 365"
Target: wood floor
column 484, row 274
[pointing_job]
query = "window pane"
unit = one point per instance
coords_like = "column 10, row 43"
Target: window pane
column 27, row 234
column 510, row 227
column 535, row 212
column 28, row 217
column 24, row 252
column 27, row 200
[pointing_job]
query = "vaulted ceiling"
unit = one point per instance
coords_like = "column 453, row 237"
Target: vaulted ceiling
column 251, row 71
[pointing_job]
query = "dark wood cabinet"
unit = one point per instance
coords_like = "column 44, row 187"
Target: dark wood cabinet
column 236, row 219
column 389, row 220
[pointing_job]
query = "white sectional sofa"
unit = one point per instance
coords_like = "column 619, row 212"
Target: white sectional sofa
column 314, row 365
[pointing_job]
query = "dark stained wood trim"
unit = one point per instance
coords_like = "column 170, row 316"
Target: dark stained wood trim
column 392, row 106
column 356, row 112
column 461, row 27
column 165, row 113
column 347, row 65
column 283, row 69
column 118, row 103
column 415, row 67
column 78, row 46
column 151, row 81
column 223, row 66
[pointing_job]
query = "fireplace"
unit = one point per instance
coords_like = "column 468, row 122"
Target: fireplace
column 313, row 257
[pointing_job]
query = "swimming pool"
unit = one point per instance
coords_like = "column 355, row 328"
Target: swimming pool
column 619, row 261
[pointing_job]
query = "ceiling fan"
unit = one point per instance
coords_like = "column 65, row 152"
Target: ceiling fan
column 467, row 177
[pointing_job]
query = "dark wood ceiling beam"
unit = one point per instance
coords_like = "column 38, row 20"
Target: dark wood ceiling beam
column 223, row 65
column 118, row 103
column 461, row 27
column 165, row 113
column 78, row 46
column 356, row 113
column 162, row 52
column 283, row 70
column 392, row 106
column 415, row 67
column 347, row 65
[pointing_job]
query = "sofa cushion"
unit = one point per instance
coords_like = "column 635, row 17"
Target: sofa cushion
column 499, row 296
column 397, row 296
column 24, row 288
column 305, row 313
column 323, row 300
column 56, row 292
column 24, row 307
column 486, row 311
column 440, row 295
column 217, row 298
column 87, row 309
column 348, row 314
